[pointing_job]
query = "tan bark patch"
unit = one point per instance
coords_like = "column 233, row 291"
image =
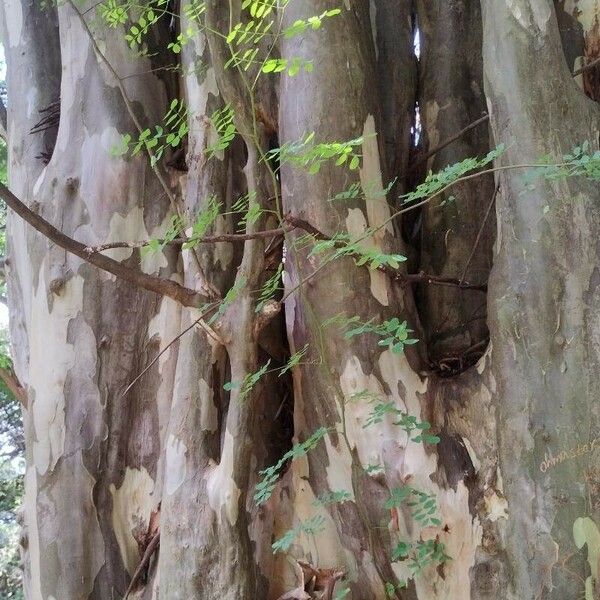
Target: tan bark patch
column 133, row 504
column 223, row 493
column 356, row 224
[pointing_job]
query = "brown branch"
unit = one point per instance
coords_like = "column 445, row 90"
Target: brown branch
column 209, row 239
column 14, row 385
column 391, row 272
column 177, row 337
column 480, row 232
column 3, row 121
column 423, row 277
column 447, row 142
column 162, row 287
column 587, row 67
column 306, row 226
column 152, row 547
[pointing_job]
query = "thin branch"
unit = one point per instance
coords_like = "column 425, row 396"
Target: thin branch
column 14, row 385
column 3, row 121
column 177, row 337
column 476, row 123
column 209, row 239
column 423, row 277
column 447, row 142
column 391, row 272
column 152, row 547
column 587, row 67
column 157, row 69
column 480, row 232
column 163, row 287
column 306, row 226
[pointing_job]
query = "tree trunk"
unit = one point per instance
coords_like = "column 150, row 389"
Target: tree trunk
column 144, row 443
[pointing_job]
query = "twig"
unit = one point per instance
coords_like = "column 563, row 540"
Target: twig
column 394, row 274
column 483, row 119
column 443, row 281
column 209, row 239
column 147, row 72
column 151, row 548
column 153, row 361
column 128, row 104
column 14, row 385
column 163, row 287
column 306, row 226
column 480, row 232
column 587, row 67
column 447, row 142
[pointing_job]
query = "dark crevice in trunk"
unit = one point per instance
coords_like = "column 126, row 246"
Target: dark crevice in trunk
column 274, row 346
column 451, row 238
column 44, row 70
column 580, row 47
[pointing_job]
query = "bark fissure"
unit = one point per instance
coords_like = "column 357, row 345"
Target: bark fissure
column 135, row 404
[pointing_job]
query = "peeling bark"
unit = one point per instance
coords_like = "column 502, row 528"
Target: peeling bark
column 127, row 417
column 542, row 298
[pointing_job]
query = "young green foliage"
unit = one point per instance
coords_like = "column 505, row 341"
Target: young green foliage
column 409, row 423
column 269, row 290
column 259, row 9
column 265, row 487
column 315, row 22
column 294, row 360
column 249, row 382
column 311, row 526
column 181, row 40
column 222, row 122
column 174, row 231
column 436, row 182
column 580, row 162
column 250, row 209
column 169, row 134
column 419, row 555
column 230, row 297
column 395, row 334
column 332, row 498
column 423, row 505
column 309, row 155
column 194, row 10
column 204, row 221
column 340, row 244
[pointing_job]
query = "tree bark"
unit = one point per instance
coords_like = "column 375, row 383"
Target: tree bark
column 140, row 439
column 542, row 298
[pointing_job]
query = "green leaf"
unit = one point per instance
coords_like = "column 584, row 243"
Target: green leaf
column 401, row 551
